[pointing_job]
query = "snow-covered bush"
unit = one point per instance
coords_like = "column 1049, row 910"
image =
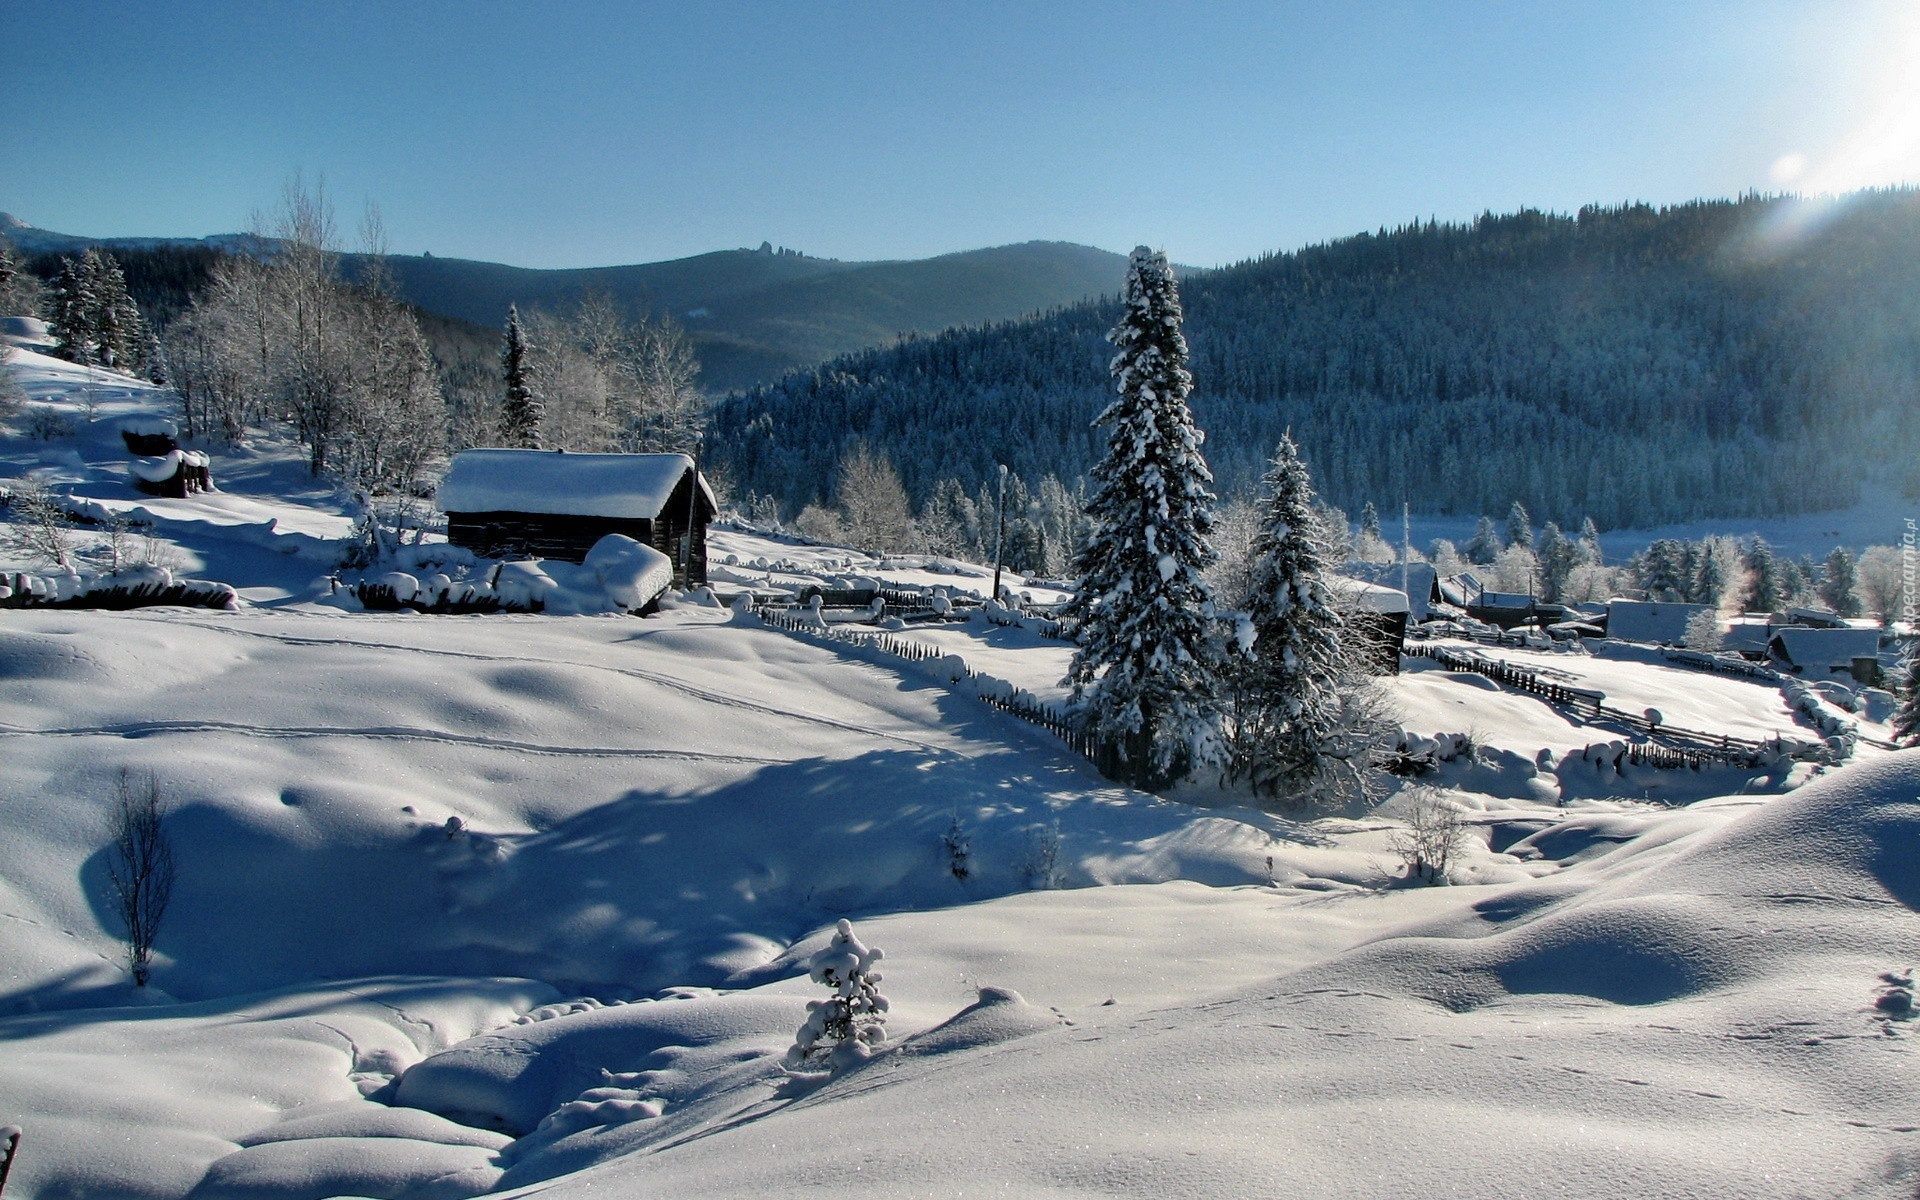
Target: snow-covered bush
column 47, row 424
column 1042, row 865
column 844, row 1029
column 1433, row 834
column 1705, row 632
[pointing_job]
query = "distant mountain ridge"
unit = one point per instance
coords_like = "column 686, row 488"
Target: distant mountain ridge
column 753, row 315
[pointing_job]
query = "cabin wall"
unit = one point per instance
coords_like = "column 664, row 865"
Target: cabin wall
column 539, row 535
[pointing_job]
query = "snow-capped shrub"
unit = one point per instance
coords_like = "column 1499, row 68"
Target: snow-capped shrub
column 1433, row 834
column 47, row 424
column 844, row 1029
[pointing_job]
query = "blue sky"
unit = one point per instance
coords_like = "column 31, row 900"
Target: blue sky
column 586, row 133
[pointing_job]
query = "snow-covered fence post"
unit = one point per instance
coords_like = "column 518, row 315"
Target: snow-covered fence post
column 851, row 1022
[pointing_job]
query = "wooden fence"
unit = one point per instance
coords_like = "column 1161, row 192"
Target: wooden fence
column 1685, row 747
column 1105, row 754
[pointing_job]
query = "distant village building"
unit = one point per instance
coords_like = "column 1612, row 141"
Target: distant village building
column 1418, row 582
column 1656, row 622
column 1818, row 651
column 519, row 504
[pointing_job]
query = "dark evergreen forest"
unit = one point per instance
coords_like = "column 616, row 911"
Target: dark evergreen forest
column 1632, row 364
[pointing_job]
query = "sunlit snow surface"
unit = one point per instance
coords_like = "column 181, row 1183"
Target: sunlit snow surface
column 426, row 862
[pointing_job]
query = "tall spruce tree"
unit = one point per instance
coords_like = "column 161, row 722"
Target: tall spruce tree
column 1147, row 667
column 1906, row 718
column 1558, row 557
column 1838, row 581
column 1287, row 690
column 70, row 313
column 1764, row 592
column 520, row 416
column 1709, row 577
column 1519, row 526
column 1484, row 548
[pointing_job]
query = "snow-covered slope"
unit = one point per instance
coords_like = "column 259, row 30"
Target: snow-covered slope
column 523, row 904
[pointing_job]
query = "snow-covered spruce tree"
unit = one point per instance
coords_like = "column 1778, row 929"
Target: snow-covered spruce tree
column 1289, row 693
column 1763, row 592
column 842, row 1030
column 1147, row 667
column 1837, row 583
column 1484, row 547
column 119, row 331
column 520, row 416
column 1558, row 557
column 1519, row 526
column 70, row 307
column 1710, row 576
column 1906, row 718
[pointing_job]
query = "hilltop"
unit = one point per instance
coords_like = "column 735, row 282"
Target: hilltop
column 753, row 315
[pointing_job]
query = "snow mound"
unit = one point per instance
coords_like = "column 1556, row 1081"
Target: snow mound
column 1678, row 917
column 999, row 1015
column 632, row 574
column 511, row 1079
column 379, row 1168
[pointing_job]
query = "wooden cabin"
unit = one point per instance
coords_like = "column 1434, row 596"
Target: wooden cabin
column 517, row 504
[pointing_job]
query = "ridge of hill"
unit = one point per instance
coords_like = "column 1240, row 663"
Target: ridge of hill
column 1638, row 365
column 753, row 315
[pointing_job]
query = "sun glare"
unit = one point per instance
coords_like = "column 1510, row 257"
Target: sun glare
column 1883, row 146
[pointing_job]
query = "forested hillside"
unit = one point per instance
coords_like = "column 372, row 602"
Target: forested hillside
column 1634, row 365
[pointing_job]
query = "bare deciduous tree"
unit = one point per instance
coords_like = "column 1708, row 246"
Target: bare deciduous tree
column 140, row 868
column 41, row 529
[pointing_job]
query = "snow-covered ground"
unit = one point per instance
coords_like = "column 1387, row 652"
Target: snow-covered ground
column 523, row 904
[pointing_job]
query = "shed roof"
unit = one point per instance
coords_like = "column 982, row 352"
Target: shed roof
column 1806, row 647
column 556, row 483
column 1650, row 620
column 1377, row 597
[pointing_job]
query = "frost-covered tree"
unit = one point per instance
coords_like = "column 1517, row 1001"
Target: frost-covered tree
column 1838, row 581
column 1519, row 526
column 1369, row 521
column 40, row 528
column 844, row 1029
column 1704, row 631
column 520, row 415
column 1763, row 592
column 1663, row 570
column 70, row 308
column 1709, row 575
column 1146, row 669
column 1590, row 544
column 1906, row 718
column 1288, row 687
column 1558, row 557
column 1485, row 546
column 874, row 509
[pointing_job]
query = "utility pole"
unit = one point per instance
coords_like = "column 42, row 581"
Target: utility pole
column 1000, row 529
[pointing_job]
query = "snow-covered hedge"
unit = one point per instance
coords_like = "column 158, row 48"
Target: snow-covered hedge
column 141, row 587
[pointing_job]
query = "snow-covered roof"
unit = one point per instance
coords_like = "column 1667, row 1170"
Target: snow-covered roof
column 1419, row 589
column 554, row 482
column 1361, row 594
column 1649, row 620
column 1804, row 646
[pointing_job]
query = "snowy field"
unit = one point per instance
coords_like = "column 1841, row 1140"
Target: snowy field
column 519, row 905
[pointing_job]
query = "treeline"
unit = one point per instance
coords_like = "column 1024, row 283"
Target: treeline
column 1630, row 364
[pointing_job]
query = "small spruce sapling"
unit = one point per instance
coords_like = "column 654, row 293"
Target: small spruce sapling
column 843, row 1030
column 958, row 849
